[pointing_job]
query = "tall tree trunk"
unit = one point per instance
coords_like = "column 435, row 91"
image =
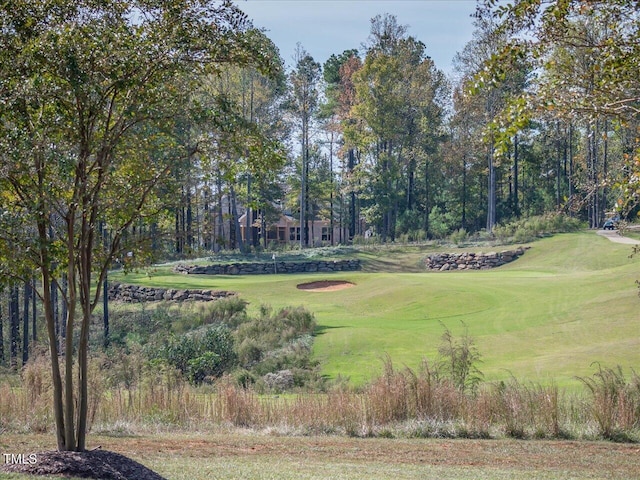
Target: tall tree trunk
column 178, row 244
column 220, row 214
column 2, row 357
column 65, row 307
column 236, row 223
column 516, row 159
column 570, row 177
column 331, row 188
column 464, row 191
column 605, row 172
column 491, row 191
column 25, row 322
column 105, row 312
column 189, row 220
column 14, row 317
column 558, row 169
column 34, row 311
column 427, row 197
column 54, row 309
column 352, row 194
column 591, row 167
column 70, row 299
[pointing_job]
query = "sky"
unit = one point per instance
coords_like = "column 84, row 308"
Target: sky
column 325, row 27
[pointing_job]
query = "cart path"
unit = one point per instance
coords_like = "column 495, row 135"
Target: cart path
column 615, row 236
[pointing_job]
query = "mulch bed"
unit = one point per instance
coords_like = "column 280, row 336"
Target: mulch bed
column 97, row 464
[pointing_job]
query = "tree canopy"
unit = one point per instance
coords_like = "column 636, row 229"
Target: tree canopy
column 88, row 90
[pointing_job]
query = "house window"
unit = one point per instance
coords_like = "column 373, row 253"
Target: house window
column 294, row 234
column 326, row 234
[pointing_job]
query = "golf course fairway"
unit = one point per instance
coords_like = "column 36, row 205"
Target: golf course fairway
column 568, row 303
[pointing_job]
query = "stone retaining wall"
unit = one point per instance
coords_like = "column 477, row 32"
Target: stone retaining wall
column 471, row 261
column 267, row 268
column 137, row 294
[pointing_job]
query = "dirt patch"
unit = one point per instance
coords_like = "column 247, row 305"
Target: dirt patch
column 325, row 286
column 97, row 464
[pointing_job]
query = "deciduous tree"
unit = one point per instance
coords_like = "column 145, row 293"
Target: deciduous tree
column 87, row 92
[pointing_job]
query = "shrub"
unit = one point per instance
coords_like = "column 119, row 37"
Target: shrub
column 529, row 228
column 279, row 381
column 459, row 359
column 230, row 311
column 459, row 237
column 207, row 352
column 616, row 401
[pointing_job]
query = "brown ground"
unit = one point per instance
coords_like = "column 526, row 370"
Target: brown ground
column 325, row 286
column 602, row 460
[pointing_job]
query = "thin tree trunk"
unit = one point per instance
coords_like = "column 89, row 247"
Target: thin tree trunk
column 2, row 358
column 25, row 322
column 70, row 299
column 14, row 317
column 491, row 191
column 248, row 216
column 516, row 159
column 34, row 311
column 558, row 171
column 352, row 195
column 220, row 224
column 64, row 313
column 48, row 286
column 105, row 312
column 189, row 220
column 331, row 222
column 464, row 191
column 236, row 223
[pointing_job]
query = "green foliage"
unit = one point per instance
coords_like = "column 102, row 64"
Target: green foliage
column 203, row 353
column 203, row 341
column 229, row 311
column 276, row 341
column 528, row 229
column 438, row 223
column 459, row 236
column 458, row 361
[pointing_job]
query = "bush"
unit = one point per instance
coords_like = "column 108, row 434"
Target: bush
column 207, row 352
column 530, row 228
column 279, row 381
column 230, row 311
column 272, row 331
column 458, row 359
column 459, row 237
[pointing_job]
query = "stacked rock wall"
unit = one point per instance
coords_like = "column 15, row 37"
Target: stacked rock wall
column 268, row 268
column 137, row 294
column 471, row 261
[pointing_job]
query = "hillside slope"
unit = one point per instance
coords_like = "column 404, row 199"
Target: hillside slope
column 570, row 301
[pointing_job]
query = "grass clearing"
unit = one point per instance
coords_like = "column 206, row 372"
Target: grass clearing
column 237, row 455
column 570, row 301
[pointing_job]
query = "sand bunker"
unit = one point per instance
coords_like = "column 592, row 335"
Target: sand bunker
column 325, row 286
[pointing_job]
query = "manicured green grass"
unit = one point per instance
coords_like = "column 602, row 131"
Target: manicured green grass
column 568, row 302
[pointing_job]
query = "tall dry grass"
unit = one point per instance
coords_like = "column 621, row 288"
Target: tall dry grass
column 401, row 402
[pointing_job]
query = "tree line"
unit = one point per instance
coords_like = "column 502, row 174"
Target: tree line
column 380, row 139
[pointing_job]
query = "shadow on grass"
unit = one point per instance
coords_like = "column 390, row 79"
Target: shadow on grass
column 378, row 265
column 322, row 329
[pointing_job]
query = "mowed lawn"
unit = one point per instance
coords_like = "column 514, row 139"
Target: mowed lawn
column 197, row 456
column 570, row 302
